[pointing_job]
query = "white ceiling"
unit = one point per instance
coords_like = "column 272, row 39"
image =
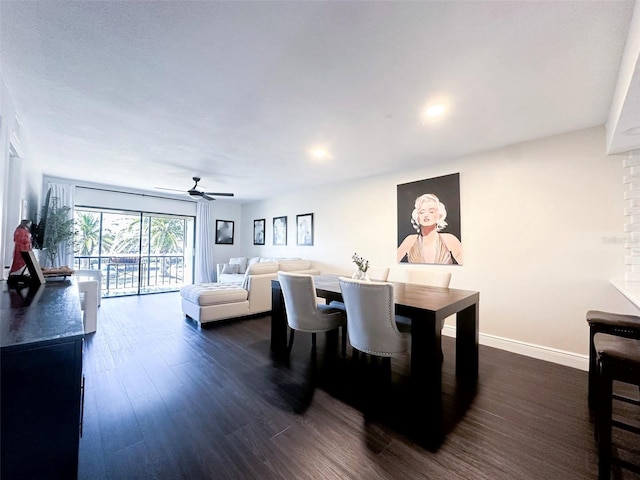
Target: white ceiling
column 148, row 94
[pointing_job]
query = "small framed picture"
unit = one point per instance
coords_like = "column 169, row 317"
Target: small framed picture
column 224, row 232
column 31, row 261
column 304, row 229
column 258, row 231
column 279, row 230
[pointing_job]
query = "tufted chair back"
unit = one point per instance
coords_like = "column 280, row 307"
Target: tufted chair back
column 371, row 321
column 434, row 278
column 303, row 312
column 378, row 274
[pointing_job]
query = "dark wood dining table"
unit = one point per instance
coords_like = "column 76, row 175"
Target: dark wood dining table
column 428, row 307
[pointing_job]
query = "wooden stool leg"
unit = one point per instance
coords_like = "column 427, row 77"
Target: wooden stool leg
column 603, row 419
column 593, row 370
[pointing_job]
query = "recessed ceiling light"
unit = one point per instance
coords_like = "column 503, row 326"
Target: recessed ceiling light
column 435, row 110
column 319, row 153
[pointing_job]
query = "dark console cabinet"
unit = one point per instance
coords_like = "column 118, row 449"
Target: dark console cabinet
column 41, row 336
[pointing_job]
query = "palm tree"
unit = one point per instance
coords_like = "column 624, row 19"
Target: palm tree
column 125, row 238
column 126, row 235
column 167, row 235
column 87, row 233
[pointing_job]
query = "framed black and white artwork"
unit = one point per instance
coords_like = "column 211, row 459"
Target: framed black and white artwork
column 224, row 232
column 279, row 230
column 304, row 229
column 258, row 231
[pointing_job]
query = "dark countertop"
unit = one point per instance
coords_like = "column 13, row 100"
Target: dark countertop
column 46, row 314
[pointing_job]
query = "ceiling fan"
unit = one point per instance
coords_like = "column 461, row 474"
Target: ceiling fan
column 196, row 191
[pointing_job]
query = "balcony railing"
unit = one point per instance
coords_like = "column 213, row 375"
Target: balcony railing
column 128, row 274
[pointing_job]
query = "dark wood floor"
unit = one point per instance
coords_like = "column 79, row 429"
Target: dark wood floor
column 166, row 399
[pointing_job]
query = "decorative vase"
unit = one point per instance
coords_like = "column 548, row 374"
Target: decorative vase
column 360, row 275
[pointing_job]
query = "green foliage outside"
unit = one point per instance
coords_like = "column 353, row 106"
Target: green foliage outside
column 121, row 235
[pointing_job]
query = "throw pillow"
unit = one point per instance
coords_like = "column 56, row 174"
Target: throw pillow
column 241, row 262
column 231, row 268
column 252, row 261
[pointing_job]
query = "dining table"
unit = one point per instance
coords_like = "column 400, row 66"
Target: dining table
column 427, row 307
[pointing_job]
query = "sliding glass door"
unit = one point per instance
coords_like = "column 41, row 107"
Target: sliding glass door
column 137, row 252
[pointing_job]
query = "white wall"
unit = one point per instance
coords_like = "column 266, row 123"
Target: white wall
column 219, row 210
column 19, row 178
column 542, row 230
column 104, row 197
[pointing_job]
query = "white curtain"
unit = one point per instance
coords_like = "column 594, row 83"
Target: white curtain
column 204, row 267
column 64, row 192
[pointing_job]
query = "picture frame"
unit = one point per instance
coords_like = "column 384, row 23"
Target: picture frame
column 304, row 229
column 280, row 230
column 440, row 196
column 259, row 231
column 224, row 232
column 35, row 271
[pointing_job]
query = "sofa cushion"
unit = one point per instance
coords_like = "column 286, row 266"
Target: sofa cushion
column 213, row 293
column 231, row 268
column 262, row 268
column 241, row 262
column 259, row 268
column 236, row 278
column 291, row 265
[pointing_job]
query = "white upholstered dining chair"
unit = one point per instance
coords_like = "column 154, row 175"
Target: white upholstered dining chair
column 303, row 312
column 378, row 274
column 432, row 277
column 89, row 304
column 371, row 321
column 90, row 288
column 91, row 274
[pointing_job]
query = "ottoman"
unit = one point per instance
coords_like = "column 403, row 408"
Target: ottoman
column 208, row 302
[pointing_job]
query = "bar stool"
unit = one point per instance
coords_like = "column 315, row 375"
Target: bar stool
column 613, row 324
column 618, row 359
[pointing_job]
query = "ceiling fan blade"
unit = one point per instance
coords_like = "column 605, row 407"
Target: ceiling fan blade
column 170, row 189
column 218, row 194
column 198, row 191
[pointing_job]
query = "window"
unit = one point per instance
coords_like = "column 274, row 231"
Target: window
column 137, row 252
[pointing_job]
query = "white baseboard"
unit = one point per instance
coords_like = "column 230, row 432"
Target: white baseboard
column 561, row 357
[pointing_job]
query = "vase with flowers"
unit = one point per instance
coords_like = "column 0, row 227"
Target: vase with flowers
column 363, row 266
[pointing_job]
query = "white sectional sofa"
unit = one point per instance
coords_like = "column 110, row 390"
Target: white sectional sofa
column 239, row 294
